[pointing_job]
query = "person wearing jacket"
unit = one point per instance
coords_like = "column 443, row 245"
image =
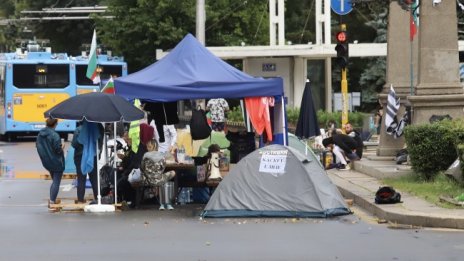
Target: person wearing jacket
column 51, row 154
column 357, row 137
column 82, row 177
column 342, row 146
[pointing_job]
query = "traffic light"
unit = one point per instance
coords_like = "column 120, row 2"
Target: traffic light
column 342, row 49
column 405, row 4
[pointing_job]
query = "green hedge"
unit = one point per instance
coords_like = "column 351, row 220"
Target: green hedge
column 433, row 147
column 323, row 117
column 355, row 118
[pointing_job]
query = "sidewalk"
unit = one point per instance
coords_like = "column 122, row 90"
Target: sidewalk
column 362, row 181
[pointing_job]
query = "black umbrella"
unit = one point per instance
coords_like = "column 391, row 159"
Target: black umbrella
column 307, row 125
column 96, row 107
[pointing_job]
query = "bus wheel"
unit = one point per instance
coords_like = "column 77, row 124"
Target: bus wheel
column 10, row 137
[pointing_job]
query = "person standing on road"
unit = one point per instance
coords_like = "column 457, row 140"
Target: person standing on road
column 217, row 107
column 50, row 150
column 82, row 177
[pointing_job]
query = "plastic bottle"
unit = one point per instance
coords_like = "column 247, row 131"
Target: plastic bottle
column 188, row 194
column 181, row 154
column 328, row 159
column 183, row 197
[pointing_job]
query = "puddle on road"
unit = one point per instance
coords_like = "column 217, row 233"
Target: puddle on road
column 5, row 170
column 8, row 172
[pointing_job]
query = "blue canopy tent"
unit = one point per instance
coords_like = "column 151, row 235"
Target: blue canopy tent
column 190, row 71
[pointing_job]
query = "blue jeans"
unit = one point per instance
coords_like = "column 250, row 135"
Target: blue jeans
column 55, row 187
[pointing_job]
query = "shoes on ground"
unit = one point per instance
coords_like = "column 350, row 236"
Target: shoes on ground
column 332, row 166
column 344, row 167
column 161, row 207
column 169, row 207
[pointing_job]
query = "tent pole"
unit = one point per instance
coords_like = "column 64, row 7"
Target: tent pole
column 245, row 115
column 98, row 176
column 114, row 166
column 284, row 128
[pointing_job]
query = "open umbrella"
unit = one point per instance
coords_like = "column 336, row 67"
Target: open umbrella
column 307, row 125
column 96, row 107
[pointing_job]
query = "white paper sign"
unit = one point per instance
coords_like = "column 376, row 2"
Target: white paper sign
column 273, row 162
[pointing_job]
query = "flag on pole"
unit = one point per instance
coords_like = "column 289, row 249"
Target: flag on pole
column 109, row 86
column 412, row 28
column 92, row 73
column 391, row 122
column 414, row 20
column 393, row 104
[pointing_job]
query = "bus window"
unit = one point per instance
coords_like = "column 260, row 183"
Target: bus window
column 2, row 85
column 40, row 75
column 108, row 70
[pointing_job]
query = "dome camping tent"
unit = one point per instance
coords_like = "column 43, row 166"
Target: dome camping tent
column 276, row 181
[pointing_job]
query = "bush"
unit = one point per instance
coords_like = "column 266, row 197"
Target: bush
column 433, row 147
column 235, row 114
column 323, row 117
column 292, row 115
column 355, row 118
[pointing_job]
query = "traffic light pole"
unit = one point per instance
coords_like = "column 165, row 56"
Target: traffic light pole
column 344, row 89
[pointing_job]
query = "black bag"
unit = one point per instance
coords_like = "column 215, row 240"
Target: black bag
column 401, row 156
column 106, row 179
column 199, row 128
column 387, row 195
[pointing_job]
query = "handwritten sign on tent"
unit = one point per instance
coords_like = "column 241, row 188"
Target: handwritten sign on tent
column 273, row 162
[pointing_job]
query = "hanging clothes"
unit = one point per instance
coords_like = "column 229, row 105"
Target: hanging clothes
column 88, row 138
column 258, row 110
column 163, row 113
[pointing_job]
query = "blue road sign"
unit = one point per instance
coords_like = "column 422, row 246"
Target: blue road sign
column 341, row 7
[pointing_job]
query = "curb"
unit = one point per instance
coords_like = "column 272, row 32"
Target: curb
column 420, row 220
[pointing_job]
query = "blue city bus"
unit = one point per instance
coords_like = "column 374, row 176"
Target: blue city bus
column 32, row 81
column 107, row 65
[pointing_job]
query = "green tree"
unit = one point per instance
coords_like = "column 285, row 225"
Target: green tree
column 64, row 35
column 373, row 77
column 141, row 27
column 8, row 31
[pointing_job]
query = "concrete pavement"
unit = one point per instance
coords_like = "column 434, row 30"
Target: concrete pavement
column 363, row 180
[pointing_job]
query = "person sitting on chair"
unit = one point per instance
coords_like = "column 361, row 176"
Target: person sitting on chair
column 153, row 165
column 132, row 161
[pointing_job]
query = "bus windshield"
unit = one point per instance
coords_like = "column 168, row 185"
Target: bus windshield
column 40, row 75
column 107, row 71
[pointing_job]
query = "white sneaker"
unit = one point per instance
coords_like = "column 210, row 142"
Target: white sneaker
column 161, row 207
column 345, row 167
column 169, row 207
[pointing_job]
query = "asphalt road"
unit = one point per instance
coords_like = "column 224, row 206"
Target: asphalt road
column 29, row 232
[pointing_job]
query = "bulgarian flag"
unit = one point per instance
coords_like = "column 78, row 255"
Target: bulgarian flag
column 414, row 19
column 92, row 73
column 109, row 86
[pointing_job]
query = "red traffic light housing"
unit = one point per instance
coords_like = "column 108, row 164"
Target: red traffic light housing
column 341, row 37
column 342, row 49
column 405, row 4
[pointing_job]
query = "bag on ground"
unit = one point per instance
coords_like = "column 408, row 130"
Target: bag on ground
column 135, row 176
column 387, row 195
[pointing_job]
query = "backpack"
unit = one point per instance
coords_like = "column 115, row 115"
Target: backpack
column 199, row 128
column 387, row 195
